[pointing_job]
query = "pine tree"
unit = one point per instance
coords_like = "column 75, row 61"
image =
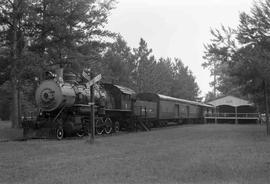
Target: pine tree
column 184, row 84
column 119, row 64
column 217, row 55
column 144, row 67
column 162, row 77
column 12, row 16
column 69, row 30
column 40, row 32
column 245, row 58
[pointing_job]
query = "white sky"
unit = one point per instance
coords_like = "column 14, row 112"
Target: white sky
column 176, row 28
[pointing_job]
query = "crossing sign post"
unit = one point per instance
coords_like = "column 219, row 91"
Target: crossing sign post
column 90, row 84
column 92, row 114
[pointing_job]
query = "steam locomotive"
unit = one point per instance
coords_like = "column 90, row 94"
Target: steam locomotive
column 64, row 108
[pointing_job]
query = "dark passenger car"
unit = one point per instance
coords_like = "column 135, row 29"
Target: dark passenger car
column 161, row 109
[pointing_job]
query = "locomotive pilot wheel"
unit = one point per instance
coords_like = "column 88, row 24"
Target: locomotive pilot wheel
column 59, row 133
column 80, row 133
column 108, row 126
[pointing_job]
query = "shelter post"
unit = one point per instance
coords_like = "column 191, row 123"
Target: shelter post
column 236, row 119
column 215, row 114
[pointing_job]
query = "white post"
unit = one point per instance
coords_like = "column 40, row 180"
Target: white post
column 236, row 120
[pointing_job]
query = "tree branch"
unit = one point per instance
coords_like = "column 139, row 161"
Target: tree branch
column 11, row 3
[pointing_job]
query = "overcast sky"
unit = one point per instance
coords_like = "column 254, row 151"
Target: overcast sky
column 176, row 28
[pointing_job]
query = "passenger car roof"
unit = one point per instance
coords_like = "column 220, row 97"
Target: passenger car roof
column 156, row 96
column 164, row 97
column 125, row 90
column 122, row 89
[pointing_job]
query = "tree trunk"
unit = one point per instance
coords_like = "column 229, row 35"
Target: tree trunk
column 15, row 105
column 14, row 56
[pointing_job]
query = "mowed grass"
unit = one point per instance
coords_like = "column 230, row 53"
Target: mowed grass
column 184, row 154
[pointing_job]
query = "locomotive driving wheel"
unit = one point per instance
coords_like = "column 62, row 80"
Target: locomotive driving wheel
column 108, row 126
column 99, row 126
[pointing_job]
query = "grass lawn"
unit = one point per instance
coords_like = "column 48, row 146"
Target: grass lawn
column 202, row 154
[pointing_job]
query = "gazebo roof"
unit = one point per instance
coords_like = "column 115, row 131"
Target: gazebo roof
column 231, row 101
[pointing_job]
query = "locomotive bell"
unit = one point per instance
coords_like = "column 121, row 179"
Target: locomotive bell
column 51, row 95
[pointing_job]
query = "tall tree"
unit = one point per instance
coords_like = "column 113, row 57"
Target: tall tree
column 184, row 84
column 253, row 34
column 69, row 30
column 217, row 55
column 163, row 76
column 145, row 63
column 247, row 59
column 53, row 31
column 12, row 15
column 119, row 63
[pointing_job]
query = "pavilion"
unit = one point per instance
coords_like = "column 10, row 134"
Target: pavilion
column 232, row 109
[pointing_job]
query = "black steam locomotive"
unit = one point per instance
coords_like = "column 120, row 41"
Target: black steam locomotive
column 64, row 109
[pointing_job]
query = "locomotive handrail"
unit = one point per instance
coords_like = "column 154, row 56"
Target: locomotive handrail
column 142, row 116
column 142, row 110
column 58, row 114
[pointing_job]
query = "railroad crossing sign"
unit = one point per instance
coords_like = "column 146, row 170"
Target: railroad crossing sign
column 93, row 81
column 89, row 85
column 87, row 77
